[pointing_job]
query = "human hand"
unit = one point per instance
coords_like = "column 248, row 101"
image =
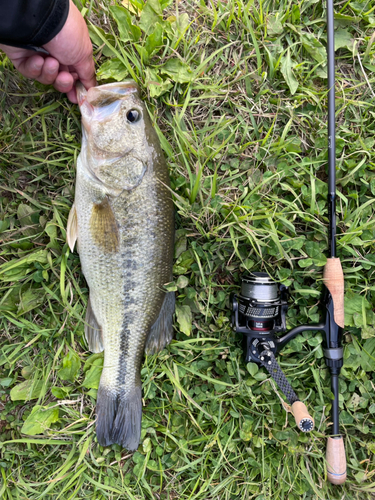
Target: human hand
column 70, row 58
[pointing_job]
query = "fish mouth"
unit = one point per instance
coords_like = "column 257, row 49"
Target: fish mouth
column 105, row 94
column 122, row 88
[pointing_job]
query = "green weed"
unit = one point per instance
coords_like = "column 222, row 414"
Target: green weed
column 237, row 92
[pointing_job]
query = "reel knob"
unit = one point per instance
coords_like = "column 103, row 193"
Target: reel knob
column 304, row 421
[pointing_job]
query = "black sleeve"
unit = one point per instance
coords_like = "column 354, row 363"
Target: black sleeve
column 31, row 23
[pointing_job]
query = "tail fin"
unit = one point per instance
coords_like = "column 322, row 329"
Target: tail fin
column 119, row 417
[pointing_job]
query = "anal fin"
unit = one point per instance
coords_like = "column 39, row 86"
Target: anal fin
column 93, row 331
column 161, row 332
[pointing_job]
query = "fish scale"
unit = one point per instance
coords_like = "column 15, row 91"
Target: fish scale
column 123, row 221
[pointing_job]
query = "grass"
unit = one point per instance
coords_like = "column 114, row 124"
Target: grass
column 237, row 92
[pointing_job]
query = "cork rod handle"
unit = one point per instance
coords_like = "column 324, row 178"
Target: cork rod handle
column 336, row 460
column 333, row 278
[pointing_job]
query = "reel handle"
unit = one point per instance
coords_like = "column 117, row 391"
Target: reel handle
column 336, row 460
column 303, row 419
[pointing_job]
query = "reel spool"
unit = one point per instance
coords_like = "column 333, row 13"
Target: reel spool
column 258, row 312
column 259, row 301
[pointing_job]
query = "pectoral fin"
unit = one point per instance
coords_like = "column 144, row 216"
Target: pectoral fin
column 93, row 331
column 72, row 228
column 103, row 227
column 161, row 332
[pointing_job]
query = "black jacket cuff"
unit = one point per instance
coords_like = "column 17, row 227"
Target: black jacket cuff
column 31, row 23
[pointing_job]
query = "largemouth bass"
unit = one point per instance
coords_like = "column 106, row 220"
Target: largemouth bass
column 123, row 222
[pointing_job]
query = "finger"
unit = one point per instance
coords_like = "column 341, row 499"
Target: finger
column 64, row 82
column 16, row 53
column 31, row 67
column 72, row 95
column 50, row 70
column 86, row 71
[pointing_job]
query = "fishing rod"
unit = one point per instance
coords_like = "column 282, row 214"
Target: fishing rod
column 259, row 311
column 333, row 275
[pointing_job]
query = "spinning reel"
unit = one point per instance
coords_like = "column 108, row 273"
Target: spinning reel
column 259, row 314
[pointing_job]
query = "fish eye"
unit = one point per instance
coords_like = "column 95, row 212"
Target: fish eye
column 133, row 115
